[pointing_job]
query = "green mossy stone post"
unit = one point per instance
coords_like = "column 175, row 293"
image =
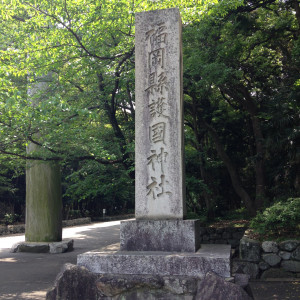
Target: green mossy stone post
column 43, row 202
column 43, row 184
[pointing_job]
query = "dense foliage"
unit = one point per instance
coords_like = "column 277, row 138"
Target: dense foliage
column 282, row 218
column 241, row 86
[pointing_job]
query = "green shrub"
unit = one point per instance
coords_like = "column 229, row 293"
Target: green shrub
column 281, row 217
column 11, row 218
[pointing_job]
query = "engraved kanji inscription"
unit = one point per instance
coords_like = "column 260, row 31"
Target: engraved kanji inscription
column 157, row 132
column 156, row 58
column 157, row 35
column 157, row 159
column 158, row 107
column 156, row 189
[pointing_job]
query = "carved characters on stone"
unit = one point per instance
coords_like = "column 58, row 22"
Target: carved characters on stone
column 157, row 95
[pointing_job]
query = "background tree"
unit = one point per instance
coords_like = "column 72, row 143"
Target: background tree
column 241, row 66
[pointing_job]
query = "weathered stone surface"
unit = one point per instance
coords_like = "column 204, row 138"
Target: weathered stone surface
column 215, row 287
column 53, row 248
column 291, row 265
column 263, row 266
column 160, row 235
column 75, row 283
column 61, row 247
column 285, row 255
column 205, row 237
column 159, row 163
column 202, row 230
column 226, row 235
column 221, row 242
column 30, row 247
column 271, row 259
column 234, row 243
column 112, row 285
column 241, row 279
column 246, row 267
column 276, row 273
column 181, row 285
column 43, row 189
column 269, row 246
column 237, row 235
column 250, row 250
column 289, row 245
column 296, row 254
column 208, row 258
column 146, row 287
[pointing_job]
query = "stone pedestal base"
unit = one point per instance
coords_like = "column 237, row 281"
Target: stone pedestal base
column 41, row 247
column 160, row 235
column 214, row 258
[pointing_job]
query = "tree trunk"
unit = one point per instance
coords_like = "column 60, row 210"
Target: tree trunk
column 235, row 179
column 209, row 202
column 111, row 113
column 245, row 99
column 259, row 164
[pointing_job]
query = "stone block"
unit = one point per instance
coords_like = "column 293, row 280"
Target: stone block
column 75, row 283
column 269, row 246
column 215, row 287
column 215, row 236
column 272, row 259
column 263, row 266
column 221, row 242
column 211, row 230
column 234, row 243
column 160, row 235
column 202, row 230
column 291, row 265
column 219, row 230
column 214, row 258
column 43, row 247
column 61, row 247
column 289, row 245
column 30, row 247
column 245, row 267
column 250, row 250
column 276, row 273
column 285, row 255
column 205, row 237
column 296, row 254
column 241, row 279
column 226, row 235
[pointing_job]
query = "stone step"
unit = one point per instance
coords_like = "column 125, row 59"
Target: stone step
column 210, row 257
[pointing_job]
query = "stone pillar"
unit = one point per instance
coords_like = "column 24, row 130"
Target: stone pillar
column 159, row 148
column 43, row 189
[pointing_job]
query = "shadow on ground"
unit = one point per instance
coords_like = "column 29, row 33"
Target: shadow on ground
column 30, row 275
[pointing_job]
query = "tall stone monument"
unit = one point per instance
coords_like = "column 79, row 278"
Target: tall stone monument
column 159, row 116
column 159, row 241
column 159, row 148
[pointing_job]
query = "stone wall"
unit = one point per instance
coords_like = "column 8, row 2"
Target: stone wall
column 225, row 235
column 268, row 259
